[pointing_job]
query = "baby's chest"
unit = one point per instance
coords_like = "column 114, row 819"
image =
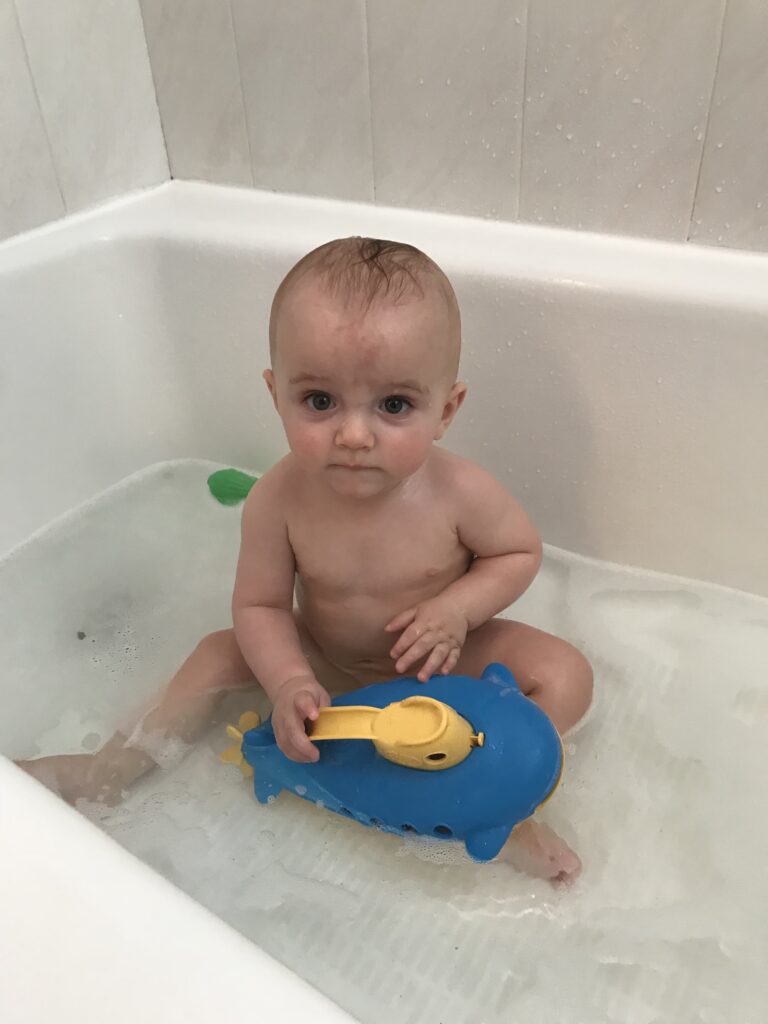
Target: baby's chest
column 375, row 557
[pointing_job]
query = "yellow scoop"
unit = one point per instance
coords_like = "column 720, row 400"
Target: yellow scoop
column 418, row 732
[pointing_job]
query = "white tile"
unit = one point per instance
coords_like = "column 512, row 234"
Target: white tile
column 616, row 109
column 91, row 69
column 732, row 198
column 194, row 64
column 305, row 85
column 29, row 192
column 446, row 98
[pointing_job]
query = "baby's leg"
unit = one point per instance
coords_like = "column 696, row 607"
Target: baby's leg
column 550, row 671
column 557, row 678
column 182, row 712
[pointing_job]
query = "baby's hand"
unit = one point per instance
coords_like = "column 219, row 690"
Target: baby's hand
column 437, row 626
column 297, row 700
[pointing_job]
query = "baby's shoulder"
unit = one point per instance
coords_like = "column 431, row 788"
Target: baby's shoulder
column 460, row 476
column 470, row 491
column 274, row 487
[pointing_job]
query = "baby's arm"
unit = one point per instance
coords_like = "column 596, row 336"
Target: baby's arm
column 262, row 610
column 496, row 528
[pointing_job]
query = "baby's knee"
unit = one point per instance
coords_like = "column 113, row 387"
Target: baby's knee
column 574, row 679
column 568, row 680
column 217, row 645
column 218, row 657
column 581, row 677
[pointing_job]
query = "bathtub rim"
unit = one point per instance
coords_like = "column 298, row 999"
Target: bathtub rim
column 222, row 215
column 225, row 974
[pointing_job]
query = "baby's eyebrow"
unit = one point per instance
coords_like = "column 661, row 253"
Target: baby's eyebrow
column 302, row 378
column 403, row 385
column 409, row 385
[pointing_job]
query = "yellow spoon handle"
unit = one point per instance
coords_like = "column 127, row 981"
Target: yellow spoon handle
column 344, row 723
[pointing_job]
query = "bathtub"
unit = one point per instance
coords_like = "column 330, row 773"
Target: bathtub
column 620, row 385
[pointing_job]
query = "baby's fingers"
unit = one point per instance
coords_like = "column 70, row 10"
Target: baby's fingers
column 434, row 661
column 413, row 636
column 297, row 746
column 400, row 621
column 306, row 705
column 451, row 661
column 415, row 652
column 292, row 738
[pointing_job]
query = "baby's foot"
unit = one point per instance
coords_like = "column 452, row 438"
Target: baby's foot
column 72, row 777
column 538, row 851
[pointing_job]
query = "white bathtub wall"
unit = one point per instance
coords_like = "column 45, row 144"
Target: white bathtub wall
column 640, row 117
column 622, row 381
column 78, row 116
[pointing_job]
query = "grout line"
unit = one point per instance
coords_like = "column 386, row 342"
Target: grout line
column 243, row 104
column 154, row 89
column 522, row 109
column 367, row 55
column 708, row 119
column 54, row 166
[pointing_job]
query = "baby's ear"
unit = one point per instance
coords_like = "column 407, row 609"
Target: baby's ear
column 269, row 377
column 452, row 404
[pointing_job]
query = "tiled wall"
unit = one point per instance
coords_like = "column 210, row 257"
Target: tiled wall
column 78, row 115
column 647, row 117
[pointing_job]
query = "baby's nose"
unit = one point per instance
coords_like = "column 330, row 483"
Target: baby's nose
column 354, row 432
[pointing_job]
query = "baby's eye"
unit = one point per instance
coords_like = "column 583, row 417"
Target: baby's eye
column 395, row 405
column 319, row 401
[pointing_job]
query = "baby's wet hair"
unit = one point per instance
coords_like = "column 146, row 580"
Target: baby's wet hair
column 363, row 271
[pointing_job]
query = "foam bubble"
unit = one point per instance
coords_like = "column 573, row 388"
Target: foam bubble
column 166, row 751
column 434, row 851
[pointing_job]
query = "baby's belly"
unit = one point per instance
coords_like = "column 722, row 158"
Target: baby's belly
column 350, row 630
column 350, row 633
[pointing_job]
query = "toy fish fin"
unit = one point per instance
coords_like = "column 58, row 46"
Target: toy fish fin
column 485, row 844
column 498, row 673
column 265, row 789
column 249, row 720
column 232, row 755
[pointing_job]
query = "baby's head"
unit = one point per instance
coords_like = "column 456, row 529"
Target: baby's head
column 365, row 338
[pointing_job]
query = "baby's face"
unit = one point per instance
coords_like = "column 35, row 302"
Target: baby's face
column 362, row 395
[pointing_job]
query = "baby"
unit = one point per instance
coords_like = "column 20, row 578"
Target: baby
column 399, row 554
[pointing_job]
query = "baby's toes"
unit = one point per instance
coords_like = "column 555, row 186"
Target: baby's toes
column 567, row 866
column 538, row 851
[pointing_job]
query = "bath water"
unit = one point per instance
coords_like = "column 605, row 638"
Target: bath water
column 662, row 795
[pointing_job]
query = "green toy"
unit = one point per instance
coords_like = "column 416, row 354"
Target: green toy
column 230, row 486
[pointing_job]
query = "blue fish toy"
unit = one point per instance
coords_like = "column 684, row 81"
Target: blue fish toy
column 454, row 758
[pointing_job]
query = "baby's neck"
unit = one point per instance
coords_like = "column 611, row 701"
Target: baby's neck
column 319, row 489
